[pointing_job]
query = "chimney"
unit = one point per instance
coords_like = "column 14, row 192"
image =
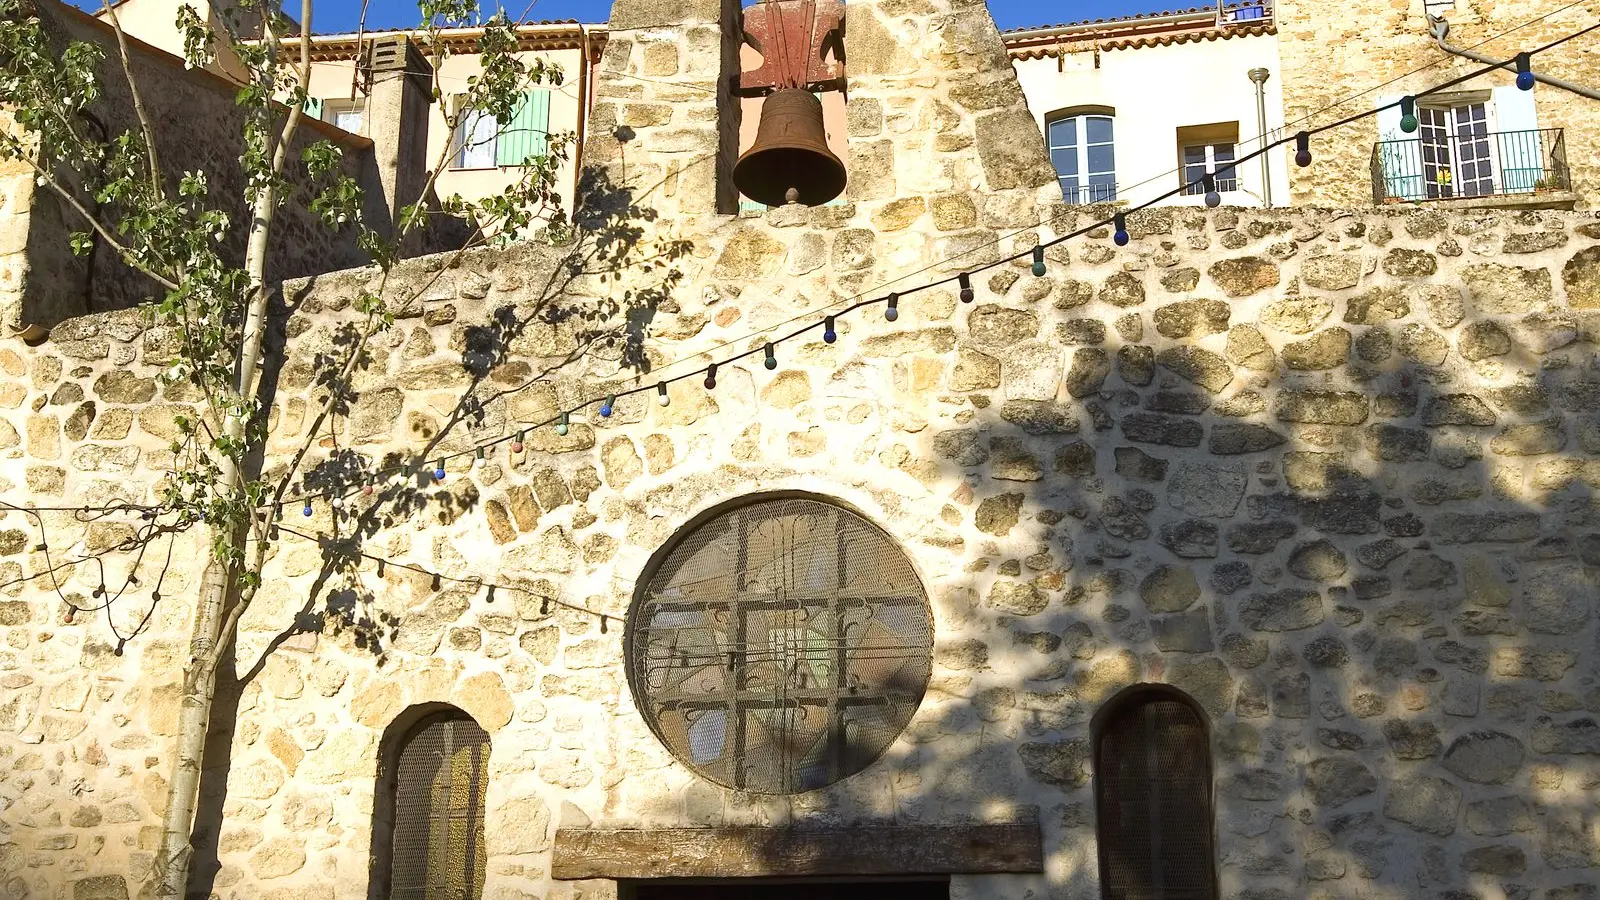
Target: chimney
column 397, row 119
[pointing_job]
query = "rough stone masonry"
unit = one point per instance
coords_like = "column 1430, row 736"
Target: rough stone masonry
column 1328, row 472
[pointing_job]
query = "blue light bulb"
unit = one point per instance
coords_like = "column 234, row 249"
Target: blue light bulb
column 1525, row 81
column 307, row 510
column 828, row 334
column 438, row 471
column 609, row 405
column 1121, row 235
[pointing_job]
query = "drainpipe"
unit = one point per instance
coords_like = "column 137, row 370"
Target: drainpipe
column 1260, row 76
column 1441, row 30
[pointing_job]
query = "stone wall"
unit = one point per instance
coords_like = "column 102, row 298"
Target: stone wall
column 1330, row 473
column 1331, row 51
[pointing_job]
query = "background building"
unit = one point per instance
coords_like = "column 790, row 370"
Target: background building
column 1133, row 108
column 1482, row 143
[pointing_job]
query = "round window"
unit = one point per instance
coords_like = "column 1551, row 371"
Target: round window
column 780, row 646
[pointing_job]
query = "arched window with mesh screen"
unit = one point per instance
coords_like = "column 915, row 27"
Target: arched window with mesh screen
column 1152, row 774
column 428, row 832
column 780, row 645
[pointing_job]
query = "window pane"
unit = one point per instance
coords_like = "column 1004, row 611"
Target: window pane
column 1065, row 161
column 1103, row 188
column 1098, row 129
column 1069, row 190
column 1194, row 156
column 1064, row 133
column 476, row 141
column 349, row 120
column 1100, row 158
column 1222, row 152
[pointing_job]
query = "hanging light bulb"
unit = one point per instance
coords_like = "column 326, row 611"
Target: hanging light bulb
column 438, row 470
column 544, row 606
column 489, row 596
column 120, row 644
column 1302, row 149
column 366, row 489
column 1408, row 114
column 477, row 458
column 892, row 311
column 516, row 445
column 828, row 333
column 661, row 393
column 711, row 377
column 965, row 282
column 1213, row 199
column 1525, row 77
column 337, row 503
column 1038, row 261
column 609, row 405
column 771, row 362
column 1120, row 222
column 563, row 425
column 602, row 624
column 438, row 583
column 306, row 510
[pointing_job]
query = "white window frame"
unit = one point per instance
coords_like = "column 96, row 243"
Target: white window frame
column 481, row 153
column 333, row 110
column 1080, row 147
column 1192, row 185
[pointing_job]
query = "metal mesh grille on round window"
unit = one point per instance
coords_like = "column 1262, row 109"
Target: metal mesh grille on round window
column 781, row 646
column 1153, row 780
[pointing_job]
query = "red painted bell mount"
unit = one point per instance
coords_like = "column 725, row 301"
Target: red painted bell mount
column 790, row 161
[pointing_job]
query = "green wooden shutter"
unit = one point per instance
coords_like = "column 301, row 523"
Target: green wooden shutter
column 527, row 132
column 313, row 107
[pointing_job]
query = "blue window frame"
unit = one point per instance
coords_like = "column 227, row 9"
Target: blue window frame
column 1082, row 149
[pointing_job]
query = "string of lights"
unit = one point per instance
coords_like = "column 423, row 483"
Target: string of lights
column 437, row 580
column 562, row 419
column 606, row 405
column 141, row 540
column 148, row 516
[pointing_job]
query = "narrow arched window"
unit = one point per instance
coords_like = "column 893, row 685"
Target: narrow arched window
column 1152, row 762
column 432, row 795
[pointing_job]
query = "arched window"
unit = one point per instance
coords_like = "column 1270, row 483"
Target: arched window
column 1152, row 773
column 428, row 836
column 1083, row 151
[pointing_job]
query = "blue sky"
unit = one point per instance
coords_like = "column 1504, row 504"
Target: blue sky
column 342, row 15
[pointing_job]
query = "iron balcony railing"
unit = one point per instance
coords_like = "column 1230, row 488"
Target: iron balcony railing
column 1470, row 164
column 1087, row 194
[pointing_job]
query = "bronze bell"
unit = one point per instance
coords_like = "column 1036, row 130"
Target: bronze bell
column 790, row 154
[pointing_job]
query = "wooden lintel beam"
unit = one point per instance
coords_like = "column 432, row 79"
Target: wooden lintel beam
column 859, row 850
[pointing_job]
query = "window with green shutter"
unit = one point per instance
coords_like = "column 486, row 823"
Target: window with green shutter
column 527, row 134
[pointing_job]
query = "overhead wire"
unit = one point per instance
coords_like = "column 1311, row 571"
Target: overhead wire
column 561, row 417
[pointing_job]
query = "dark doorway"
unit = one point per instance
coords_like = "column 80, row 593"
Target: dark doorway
column 761, row 889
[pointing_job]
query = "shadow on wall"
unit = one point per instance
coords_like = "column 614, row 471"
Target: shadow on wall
column 568, row 306
column 1365, row 548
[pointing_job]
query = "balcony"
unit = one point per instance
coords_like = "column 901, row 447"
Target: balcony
column 1505, row 168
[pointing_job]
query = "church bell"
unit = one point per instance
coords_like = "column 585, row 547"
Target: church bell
column 790, row 159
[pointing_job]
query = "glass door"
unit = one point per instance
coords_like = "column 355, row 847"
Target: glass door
column 1474, row 175
column 1457, row 155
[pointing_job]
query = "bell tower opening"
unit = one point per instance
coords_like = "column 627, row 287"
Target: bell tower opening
column 791, row 140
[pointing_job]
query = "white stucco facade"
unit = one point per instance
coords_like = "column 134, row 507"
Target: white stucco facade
column 1161, row 96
